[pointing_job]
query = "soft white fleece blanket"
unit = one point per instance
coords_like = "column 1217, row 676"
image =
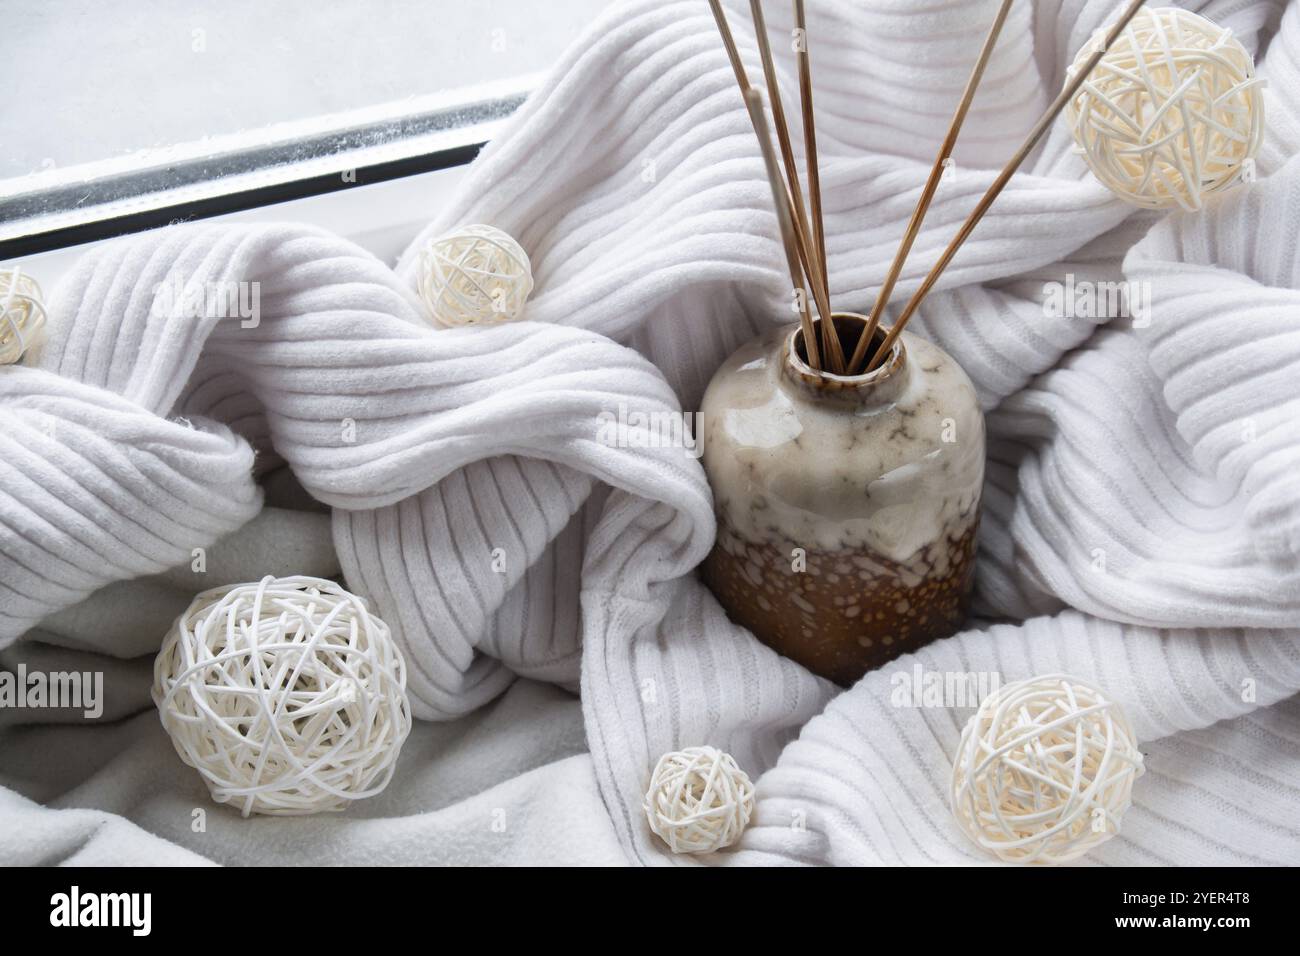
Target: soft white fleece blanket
column 1142, row 511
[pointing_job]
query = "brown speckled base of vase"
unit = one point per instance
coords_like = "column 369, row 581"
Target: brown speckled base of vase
column 846, row 612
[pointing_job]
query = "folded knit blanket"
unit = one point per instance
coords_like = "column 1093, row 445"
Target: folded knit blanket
column 1142, row 507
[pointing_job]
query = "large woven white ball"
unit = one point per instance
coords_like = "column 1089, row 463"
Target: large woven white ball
column 699, row 800
column 474, row 274
column 286, row 695
column 1172, row 112
column 1044, row 771
column 22, row 314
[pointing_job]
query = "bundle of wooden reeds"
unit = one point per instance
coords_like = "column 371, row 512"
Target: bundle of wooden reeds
column 802, row 228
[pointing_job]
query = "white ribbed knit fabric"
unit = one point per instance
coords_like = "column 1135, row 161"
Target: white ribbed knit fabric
column 1143, row 541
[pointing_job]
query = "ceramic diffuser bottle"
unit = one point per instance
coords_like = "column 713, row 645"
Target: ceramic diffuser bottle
column 847, row 506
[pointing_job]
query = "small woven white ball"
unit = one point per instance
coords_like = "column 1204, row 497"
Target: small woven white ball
column 475, row 274
column 699, row 800
column 1172, row 113
column 22, row 314
column 1044, row 771
column 286, row 695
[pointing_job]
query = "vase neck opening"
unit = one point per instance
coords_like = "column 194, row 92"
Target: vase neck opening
column 877, row 385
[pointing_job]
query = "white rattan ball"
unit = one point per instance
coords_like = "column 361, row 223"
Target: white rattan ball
column 22, row 314
column 475, row 274
column 1044, row 771
column 286, row 695
column 699, row 800
column 1172, row 113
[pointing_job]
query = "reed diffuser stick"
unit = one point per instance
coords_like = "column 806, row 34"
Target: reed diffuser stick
column 729, row 43
column 802, row 54
column 813, row 266
column 820, row 295
column 1041, row 127
column 931, row 186
column 780, row 197
column 754, row 103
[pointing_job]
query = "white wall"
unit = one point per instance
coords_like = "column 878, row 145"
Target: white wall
column 88, row 80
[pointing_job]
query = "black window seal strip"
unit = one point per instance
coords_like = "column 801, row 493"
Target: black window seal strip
column 236, row 201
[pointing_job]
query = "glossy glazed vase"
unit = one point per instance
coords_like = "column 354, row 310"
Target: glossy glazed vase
column 847, row 507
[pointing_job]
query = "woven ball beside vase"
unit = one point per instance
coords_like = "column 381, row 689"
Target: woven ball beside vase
column 1173, row 113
